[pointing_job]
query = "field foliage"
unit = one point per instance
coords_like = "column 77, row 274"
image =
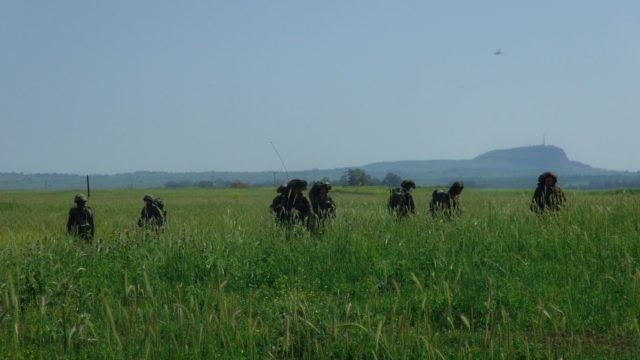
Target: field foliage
column 223, row 281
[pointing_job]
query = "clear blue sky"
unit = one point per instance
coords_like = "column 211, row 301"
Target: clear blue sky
column 115, row 86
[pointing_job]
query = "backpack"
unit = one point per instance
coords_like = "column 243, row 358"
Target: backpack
column 397, row 199
column 160, row 204
column 81, row 217
column 440, row 200
column 438, row 196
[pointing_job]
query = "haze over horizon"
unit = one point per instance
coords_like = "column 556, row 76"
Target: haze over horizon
column 118, row 87
column 281, row 169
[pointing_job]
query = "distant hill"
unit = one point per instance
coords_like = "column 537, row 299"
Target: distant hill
column 532, row 157
column 516, row 167
column 529, row 158
column 497, row 164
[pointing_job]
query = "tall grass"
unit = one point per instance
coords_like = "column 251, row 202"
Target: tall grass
column 223, row 281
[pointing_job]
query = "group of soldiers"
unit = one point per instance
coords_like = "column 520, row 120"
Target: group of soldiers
column 80, row 220
column 291, row 207
column 442, row 202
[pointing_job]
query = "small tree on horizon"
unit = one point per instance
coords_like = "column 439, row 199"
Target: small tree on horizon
column 391, row 179
column 237, row 184
column 358, row 177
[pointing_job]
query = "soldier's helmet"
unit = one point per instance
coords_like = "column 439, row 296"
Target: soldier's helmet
column 80, row 198
column 547, row 174
column 408, row 184
column 282, row 189
column 297, row 184
column 457, row 187
column 147, row 198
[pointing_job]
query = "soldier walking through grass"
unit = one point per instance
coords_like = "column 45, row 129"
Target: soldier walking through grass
column 401, row 201
column 151, row 215
column 279, row 203
column 446, row 203
column 548, row 197
column 80, row 220
column 322, row 204
column 297, row 207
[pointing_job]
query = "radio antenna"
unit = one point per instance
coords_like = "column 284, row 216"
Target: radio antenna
column 280, row 157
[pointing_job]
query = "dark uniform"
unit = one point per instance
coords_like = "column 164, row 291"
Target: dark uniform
column 447, row 203
column 401, row 201
column 278, row 205
column 297, row 208
column 321, row 203
column 548, row 196
column 151, row 214
column 80, row 221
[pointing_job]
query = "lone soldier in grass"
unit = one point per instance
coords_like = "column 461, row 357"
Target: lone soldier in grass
column 547, row 197
column 151, row 215
column 80, row 222
column 278, row 205
column 447, row 203
column 401, row 201
column 321, row 203
column 297, row 207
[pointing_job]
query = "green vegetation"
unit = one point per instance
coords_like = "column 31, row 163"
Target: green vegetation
column 224, row 282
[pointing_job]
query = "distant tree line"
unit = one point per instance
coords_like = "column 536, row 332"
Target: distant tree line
column 359, row 177
column 206, row 184
column 603, row 182
column 351, row 177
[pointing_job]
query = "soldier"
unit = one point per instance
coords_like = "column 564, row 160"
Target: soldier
column 151, row 214
column 401, row 200
column 297, row 207
column 447, row 203
column 322, row 204
column 279, row 203
column 80, row 221
column 548, row 196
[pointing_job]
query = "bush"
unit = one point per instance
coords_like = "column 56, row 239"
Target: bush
column 237, row 184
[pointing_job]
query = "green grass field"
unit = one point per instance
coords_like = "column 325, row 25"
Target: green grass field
column 224, row 282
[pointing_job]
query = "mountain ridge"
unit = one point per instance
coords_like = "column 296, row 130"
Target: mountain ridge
column 537, row 157
column 513, row 167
